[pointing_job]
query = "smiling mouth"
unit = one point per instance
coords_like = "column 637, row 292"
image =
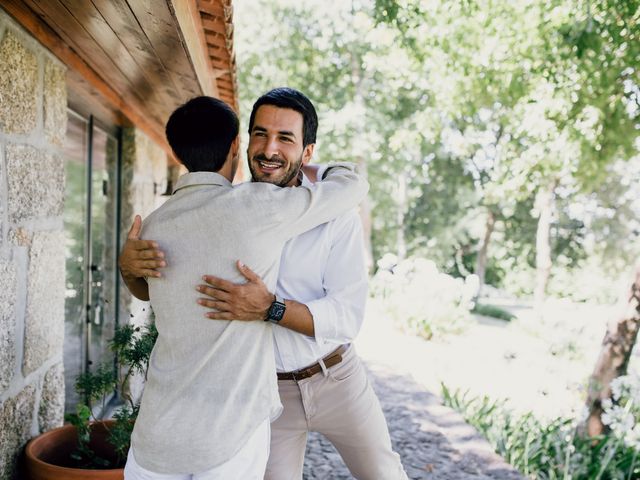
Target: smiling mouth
column 269, row 166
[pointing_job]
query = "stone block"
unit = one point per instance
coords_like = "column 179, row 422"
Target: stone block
column 44, row 323
column 55, row 103
column 7, row 322
column 51, row 409
column 20, row 237
column 18, row 86
column 16, row 417
column 3, row 182
column 144, row 175
column 35, row 181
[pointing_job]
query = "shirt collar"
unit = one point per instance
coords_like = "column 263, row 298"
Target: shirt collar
column 305, row 181
column 193, row 179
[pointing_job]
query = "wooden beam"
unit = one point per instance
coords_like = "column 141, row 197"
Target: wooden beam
column 211, row 7
column 188, row 17
column 129, row 106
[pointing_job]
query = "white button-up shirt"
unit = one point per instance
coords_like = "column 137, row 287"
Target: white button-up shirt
column 325, row 269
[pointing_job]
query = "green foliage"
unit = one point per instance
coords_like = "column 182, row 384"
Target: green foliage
column 545, row 450
column 532, row 94
column 493, row 311
column 457, row 108
column 421, row 299
column 120, row 434
column 132, row 347
column 98, row 384
column 84, row 456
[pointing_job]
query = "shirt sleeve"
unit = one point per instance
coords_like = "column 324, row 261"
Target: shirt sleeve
column 338, row 316
column 303, row 208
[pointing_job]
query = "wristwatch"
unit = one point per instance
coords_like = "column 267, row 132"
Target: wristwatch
column 276, row 310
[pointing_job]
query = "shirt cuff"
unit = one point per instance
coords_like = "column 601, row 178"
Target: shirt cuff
column 349, row 166
column 321, row 312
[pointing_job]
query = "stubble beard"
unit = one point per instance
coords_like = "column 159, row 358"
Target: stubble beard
column 293, row 172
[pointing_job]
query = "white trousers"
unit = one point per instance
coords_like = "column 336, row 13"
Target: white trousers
column 248, row 464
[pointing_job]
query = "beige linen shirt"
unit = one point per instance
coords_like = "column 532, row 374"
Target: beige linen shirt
column 211, row 383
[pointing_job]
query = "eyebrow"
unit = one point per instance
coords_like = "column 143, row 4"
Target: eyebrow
column 280, row 132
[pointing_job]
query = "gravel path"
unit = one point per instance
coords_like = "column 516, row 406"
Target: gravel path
column 433, row 441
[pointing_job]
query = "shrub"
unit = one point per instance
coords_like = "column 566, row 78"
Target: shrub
column 552, row 450
column 421, row 299
column 132, row 347
column 493, row 311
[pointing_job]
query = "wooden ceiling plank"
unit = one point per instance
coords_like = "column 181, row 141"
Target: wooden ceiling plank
column 159, row 27
column 192, row 34
column 124, row 24
column 130, row 107
column 56, row 15
column 94, row 24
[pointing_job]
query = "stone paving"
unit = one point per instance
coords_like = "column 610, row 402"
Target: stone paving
column 433, row 441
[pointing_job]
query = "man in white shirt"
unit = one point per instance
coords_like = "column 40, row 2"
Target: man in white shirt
column 211, row 387
column 318, row 308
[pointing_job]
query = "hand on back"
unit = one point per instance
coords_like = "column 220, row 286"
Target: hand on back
column 140, row 258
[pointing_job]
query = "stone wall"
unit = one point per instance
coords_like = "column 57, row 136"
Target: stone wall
column 144, row 183
column 33, row 102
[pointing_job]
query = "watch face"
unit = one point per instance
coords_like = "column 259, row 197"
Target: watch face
column 276, row 312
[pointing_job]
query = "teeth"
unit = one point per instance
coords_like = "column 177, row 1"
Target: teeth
column 270, row 165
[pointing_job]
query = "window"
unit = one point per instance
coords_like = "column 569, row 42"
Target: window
column 91, row 219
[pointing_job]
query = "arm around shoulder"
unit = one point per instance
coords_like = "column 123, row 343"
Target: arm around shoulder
column 307, row 207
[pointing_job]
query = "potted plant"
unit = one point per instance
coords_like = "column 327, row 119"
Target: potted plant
column 87, row 447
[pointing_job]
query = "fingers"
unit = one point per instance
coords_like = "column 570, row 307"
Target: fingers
column 148, row 273
column 219, row 283
column 207, row 302
column 150, row 255
column 134, row 231
column 214, row 292
column 151, row 264
column 247, row 272
column 144, row 245
column 220, row 316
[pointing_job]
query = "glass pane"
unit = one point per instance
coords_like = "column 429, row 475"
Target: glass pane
column 103, row 255
column 75, row 150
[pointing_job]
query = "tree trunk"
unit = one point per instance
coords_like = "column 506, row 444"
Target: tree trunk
column 401, row 204
column 361, row 127
column 544, row 204
column 481, row 261
column 614, row 356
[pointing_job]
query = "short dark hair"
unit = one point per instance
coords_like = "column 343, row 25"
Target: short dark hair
column 285, row 97
column 200, row 133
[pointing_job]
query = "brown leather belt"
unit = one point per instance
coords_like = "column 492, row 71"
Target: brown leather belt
column 330, row 360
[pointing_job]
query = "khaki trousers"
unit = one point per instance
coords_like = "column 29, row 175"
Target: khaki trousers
column 340, row 404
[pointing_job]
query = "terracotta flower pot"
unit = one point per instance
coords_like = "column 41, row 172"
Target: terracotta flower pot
column 48, row 455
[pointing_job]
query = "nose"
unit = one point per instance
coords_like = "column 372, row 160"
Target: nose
column 271, row 148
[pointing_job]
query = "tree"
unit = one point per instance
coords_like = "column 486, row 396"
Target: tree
column 617, row 345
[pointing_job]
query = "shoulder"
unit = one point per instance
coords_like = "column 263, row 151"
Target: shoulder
column 346, row 223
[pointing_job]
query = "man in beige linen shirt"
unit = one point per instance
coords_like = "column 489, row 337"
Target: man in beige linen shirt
column 210, row 385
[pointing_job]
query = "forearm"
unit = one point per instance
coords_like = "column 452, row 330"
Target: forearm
column 137, row 286
column 298, row 318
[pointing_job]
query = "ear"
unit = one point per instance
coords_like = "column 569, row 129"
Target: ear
column 307, row 153
column 235, row 145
